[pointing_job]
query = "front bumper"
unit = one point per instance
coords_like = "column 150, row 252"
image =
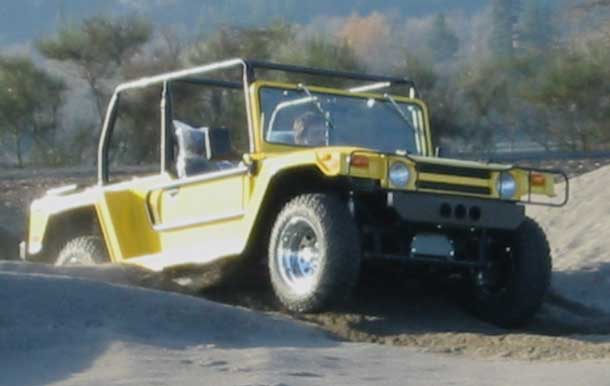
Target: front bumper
column 460, row 212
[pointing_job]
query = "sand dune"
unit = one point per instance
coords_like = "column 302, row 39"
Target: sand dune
column 580, row 239
column 65, row 330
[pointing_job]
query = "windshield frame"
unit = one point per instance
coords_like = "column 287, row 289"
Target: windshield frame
column 262, row 145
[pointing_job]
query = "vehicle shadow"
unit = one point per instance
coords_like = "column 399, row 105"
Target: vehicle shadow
column 584, row 293
column 53, row 326
column 391, row 307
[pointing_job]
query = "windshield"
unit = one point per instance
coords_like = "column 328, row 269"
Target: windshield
column 305, row 118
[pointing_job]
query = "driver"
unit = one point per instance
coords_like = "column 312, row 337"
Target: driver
column 309, row 130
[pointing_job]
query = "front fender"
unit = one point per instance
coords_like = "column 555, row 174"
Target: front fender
column 50, row 206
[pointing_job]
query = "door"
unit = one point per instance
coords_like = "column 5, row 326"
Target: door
column 200, row 218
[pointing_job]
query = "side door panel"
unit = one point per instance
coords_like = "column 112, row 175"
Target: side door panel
column 199, row 219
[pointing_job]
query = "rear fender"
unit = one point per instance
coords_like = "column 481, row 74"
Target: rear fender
column 55, row 217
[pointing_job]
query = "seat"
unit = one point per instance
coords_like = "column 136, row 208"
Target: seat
column 218, row 143
column 192, row 157
column 220, row 149
column 202, row 150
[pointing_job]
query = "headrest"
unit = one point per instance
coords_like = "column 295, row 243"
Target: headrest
column 192, row 154
column 191, row 141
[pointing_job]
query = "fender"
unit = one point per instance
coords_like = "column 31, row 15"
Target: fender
column 330, row 162
column 56, row 202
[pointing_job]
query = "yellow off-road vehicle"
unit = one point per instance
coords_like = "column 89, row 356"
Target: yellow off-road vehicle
column 313, row 180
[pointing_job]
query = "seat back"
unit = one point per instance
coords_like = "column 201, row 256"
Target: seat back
column 218, row 143
column 192, row 154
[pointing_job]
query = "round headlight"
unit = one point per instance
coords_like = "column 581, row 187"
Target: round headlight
column 399, row 175
column 506, row 185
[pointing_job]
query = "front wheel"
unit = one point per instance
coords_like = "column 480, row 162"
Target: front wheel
column 314, row 253
column 82, row 250
column 511, row 289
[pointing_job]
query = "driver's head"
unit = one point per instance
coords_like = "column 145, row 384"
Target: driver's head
column 309, row 130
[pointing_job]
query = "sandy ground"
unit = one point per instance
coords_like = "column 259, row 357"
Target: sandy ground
column 64, row 330
column 580, row 240
column 421, row 334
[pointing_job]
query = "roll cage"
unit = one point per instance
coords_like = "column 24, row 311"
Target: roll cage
column 248, row 69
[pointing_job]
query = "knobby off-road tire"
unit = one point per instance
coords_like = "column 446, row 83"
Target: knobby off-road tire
column 319, row 230
column 82, row 250
column 528, row 276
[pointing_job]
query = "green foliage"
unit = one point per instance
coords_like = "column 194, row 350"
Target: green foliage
column 532, row 85
column 259, row 43
column 135, row 140
column 320, row 53
column 29, row 103
column 502, row 31
column 419, row 70
column 442, row 41
column 97, row 41
column 535, row 27
column 97, row 48
column 575, row 89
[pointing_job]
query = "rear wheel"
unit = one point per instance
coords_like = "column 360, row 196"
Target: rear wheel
column 82, row 250
column 511, row 289
column 314, row 253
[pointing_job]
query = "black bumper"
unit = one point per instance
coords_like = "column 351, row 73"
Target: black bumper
column 457, row 211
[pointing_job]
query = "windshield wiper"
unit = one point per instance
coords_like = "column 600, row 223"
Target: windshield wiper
column 404, row 117
column 397, row 108
column 325, row 115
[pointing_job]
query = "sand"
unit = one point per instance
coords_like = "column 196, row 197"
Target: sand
column 579, row 235
column 58, row 329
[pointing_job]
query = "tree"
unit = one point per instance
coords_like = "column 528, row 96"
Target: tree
column 574, row 90
column 323, row 53
column 535, row 28
column 369, row 36
column 442, row 41
column 29, row 102
column 589, row 4
column 502, row 31
column 488, row 109
column 259, row 43
column 97, row 48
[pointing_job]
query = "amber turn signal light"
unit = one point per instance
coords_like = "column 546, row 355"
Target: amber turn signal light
column 537, row 179
column 359, row 161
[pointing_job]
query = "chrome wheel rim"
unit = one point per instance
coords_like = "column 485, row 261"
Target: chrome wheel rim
column 298, row 255
column 73, row 260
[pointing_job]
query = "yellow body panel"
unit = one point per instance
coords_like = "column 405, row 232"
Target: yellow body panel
column 125, row 226
column 50, row 205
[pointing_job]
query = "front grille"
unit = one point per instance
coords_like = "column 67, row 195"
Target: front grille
column 429, row 185
column 457, row 171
